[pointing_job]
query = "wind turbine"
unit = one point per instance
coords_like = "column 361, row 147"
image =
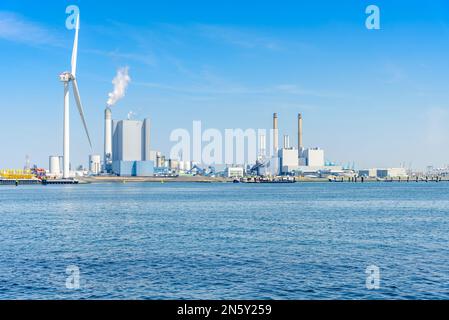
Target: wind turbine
column 67, row 78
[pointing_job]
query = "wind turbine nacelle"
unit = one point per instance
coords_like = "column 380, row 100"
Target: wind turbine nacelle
column 65, row 77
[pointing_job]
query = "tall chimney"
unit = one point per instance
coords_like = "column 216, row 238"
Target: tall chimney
column 286, row 142
column 107, row 139
column 275, row 134
column 300, row 145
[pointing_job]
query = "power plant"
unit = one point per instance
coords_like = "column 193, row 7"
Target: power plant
column 127, row 143
column 127, row 147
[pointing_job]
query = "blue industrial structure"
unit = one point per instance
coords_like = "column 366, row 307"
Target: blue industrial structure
column 133, row 168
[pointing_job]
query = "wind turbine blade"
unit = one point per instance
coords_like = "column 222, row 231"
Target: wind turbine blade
column 75, row 46
column 80, row 108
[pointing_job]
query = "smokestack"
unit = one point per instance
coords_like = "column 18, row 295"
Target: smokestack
column 300, row 145
column 275, row 134
column 107, row 139
column 286, row 142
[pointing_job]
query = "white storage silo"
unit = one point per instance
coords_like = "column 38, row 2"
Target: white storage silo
column 95, row 163
column 55, row 165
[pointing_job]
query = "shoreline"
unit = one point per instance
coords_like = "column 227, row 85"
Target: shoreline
column 202, row 179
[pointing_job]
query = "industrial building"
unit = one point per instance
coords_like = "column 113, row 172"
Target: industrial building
column 392, row 173
column 127, row 150
column 288, row 157
column 133, row 168
column 313, row 157
column 94, row 164
column 131, row 140
column 290, row 160
column 368, row 173
column 234, row 172
column 55, row 166
column 383, row 173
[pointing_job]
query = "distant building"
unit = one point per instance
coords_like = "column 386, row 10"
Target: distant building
column 314, row 157
column 383, row 173
column 368, row 173
column 234, row 172
column 131, row 140
column 94, row 164
column 322, row 171
column 288, row 160
column 131, row 153
column 391, row 173
column 133, row 168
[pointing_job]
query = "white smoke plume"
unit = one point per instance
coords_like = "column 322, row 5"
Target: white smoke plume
column 120, row 82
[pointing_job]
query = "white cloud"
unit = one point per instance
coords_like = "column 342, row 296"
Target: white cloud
column 147, row 59
column 16, row 28
column 239, row 37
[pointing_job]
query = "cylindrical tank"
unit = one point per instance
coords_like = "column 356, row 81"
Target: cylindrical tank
column 95, row 163
column 55, row 165
column 107, row 138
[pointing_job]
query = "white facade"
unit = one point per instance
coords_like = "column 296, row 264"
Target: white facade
column 234, row 172
column 314, row 157
column 288, row 160
column 55, row 165
column 391, row 173
column 95, row 164
column 369, row 173
column 131, row 140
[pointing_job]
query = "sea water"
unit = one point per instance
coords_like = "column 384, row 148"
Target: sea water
column 225, row 241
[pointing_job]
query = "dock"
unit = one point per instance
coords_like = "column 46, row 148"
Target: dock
column 16, row 182
column 59, row 181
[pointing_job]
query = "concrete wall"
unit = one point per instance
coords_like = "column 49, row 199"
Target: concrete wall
column 288, row 160
column 124, row 168
column 146, row 140
column 234, row 172
column 131, row 140
column 391, row 173
column 133, row 168
column 315, row 157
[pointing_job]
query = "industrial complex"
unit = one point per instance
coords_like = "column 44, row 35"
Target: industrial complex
column 128, row 152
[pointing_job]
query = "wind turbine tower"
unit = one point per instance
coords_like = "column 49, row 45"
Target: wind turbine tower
column 66, row 78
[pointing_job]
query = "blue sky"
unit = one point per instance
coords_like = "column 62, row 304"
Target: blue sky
column 373, row 97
